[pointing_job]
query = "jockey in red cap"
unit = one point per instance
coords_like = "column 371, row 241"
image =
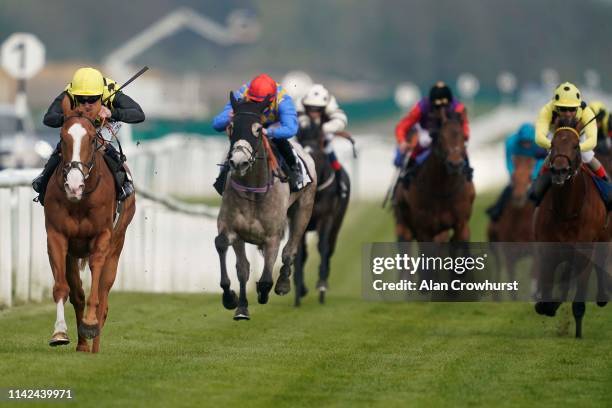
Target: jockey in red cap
column 280, row 123
column 260, row 87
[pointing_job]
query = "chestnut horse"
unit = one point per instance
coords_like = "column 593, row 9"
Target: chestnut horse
column 571, row 212
column 516, row 221
column 440, row 197
column 80, row 207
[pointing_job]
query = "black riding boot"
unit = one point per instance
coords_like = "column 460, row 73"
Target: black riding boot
column 495, row 211
column 219, row 183
column 123, row 183
column 295, row 172
column 540, row 187
column 39, row 184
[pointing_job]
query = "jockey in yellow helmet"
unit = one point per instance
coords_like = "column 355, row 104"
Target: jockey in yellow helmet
column 604, row 130
column 90, row 89
column 566, row 103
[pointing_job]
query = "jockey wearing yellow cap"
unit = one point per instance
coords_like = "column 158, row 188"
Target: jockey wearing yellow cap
column 566, row 103
column 92, row 91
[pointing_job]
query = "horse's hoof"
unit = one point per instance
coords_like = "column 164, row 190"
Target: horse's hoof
column 82, row 348
column 547, row 308
column 263, row 290
column 602, row 304
column 322, row 297
column 89, row 331
column 283, row 285
column 59, row 339
column 230, row 300
column 242, row 313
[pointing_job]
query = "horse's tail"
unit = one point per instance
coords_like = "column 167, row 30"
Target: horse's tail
column 82, row 264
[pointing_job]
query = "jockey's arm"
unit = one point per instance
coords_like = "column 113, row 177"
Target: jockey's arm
column 55, row 115
column 287, row 126
column 590, row 130
column 126, row 110
column 407, row 122
column 542, row 126
column 222, row 120
column 337, row 118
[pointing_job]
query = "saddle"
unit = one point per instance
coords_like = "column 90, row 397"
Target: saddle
column 285, row 168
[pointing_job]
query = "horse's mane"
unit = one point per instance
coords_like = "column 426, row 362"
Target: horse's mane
column 272, row 162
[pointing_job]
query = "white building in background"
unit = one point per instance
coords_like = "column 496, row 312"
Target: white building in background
column 178, row 97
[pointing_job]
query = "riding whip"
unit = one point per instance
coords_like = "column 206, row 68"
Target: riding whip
column 129, row 81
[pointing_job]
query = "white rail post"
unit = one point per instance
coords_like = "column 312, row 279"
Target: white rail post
column 6, row 279
column 22, row 239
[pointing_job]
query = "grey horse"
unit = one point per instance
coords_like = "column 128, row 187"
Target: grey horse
column 257, row 207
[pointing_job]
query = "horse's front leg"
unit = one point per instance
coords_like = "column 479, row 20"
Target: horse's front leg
column 77, row 296
column 229, row 298
column 265, row 283
column 242, row 269
column 89, row 327
column 57, row 248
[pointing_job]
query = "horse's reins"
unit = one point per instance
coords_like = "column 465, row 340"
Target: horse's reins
column 253, row 156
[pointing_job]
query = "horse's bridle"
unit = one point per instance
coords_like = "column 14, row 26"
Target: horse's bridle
column 573, row 166
column 250, row 152
column 80, row 166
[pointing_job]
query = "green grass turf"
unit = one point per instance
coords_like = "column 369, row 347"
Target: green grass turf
column 185, row 350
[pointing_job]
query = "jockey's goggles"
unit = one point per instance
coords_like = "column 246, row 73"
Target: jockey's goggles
column 567, row 108
column 439, row 103
column 91, row 99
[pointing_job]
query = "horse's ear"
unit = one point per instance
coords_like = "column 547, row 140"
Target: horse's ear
column 67, row 106
column 233, row 100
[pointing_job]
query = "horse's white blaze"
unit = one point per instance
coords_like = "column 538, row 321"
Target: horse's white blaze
column 60, row 322
column 75, row 177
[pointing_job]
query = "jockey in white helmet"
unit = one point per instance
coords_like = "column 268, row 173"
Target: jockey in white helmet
column 320, row 107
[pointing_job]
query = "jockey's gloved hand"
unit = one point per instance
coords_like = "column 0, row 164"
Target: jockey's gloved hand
column 398, row 161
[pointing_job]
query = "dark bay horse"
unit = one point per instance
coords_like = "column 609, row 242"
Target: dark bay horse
column 256, row 207
column 571, row 212
column 80, row 207
column 516, row 221
column 440, row 197
column 327, row 214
